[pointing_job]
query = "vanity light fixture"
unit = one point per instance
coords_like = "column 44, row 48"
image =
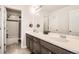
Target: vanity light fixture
column 35, row 9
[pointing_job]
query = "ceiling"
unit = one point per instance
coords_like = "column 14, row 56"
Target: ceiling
column 51, row 8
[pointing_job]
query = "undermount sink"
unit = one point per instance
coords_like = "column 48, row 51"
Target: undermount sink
column 59, row 39
column 35, row 31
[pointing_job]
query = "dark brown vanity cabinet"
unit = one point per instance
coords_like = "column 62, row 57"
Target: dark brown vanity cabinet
column 39, row 46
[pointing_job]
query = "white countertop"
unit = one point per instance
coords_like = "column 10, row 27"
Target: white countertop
column 72, row 43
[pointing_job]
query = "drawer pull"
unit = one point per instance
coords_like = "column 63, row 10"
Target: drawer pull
column 70, row 31
column 0, row 47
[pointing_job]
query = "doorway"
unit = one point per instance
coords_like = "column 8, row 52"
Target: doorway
column 13, row 27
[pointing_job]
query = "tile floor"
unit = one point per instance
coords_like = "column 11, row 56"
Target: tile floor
column 16, row 49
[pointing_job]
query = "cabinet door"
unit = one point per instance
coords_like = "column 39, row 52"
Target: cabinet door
column 45, row 50
column 36, row 46
column 31, row 45
column 27, row 42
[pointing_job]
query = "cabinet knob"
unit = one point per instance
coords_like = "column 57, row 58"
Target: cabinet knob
column 70, row 31
column 0, row 47
column 0, row 28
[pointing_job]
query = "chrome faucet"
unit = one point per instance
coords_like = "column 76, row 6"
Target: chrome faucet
column 63, row 36
column 35, row 31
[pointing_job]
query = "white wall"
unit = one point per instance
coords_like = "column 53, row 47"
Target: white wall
column 59, row 19
column 27, row 19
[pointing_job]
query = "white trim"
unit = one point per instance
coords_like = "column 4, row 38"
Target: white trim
column 2, row 10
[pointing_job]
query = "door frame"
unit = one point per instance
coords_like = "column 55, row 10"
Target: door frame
column 3, row 38
column 19, row 34
column 19, row 30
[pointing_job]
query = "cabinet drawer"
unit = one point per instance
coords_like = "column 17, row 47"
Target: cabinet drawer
column 36, row 48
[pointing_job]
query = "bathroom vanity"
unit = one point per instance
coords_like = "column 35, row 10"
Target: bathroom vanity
column 38, row 45
column 64, row 26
